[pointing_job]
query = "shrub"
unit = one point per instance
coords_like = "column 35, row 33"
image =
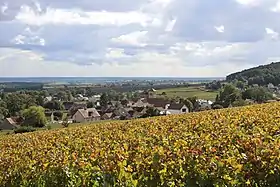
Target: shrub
column 49, row 127
column 24, row 129
column 58, row 114
column 217, row 106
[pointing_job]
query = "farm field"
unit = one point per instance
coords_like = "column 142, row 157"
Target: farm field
column 186, row 92
column 228, row 147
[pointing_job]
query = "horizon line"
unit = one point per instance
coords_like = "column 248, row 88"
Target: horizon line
column 110, row 77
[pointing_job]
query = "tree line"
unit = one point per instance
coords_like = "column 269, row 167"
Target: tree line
column 261, row 75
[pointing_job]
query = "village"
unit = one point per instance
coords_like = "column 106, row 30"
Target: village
column 101, row 107
column 61, row 107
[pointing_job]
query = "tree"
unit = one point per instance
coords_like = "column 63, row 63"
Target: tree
column 58, row 114
column 194, row 102
column 151, row 111
column 69, row 96
column 258, row 94
column 189, row 104
column 54, row 105
column 240, row 102
column 3, row 110
column 228, row 95
column 104, row 99
column 39, row 100
column 34, row 116
column 90, row 104
column 215, row 85
column 16, row 102
column 124, row 102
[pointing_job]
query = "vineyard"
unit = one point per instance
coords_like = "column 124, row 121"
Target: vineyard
column 229, row 147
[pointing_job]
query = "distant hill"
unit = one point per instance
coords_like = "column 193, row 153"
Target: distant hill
column 261, row 75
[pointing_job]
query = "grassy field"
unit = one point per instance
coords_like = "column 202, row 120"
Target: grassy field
column 186, row 92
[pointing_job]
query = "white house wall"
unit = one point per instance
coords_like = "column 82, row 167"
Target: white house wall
column 78, row 117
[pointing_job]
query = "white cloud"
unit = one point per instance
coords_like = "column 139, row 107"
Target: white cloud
column 147, row 64
column 30, row 16
column 146, row 37
column 252, row 2
column 4, row 8
column 135, row 38
column 28, row 37
column 115, row 53
column 220, row 29
column 272, row 34
column 170, row 25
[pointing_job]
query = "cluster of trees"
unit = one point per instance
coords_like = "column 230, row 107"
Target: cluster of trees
column 261, row 75
column 230, row 95
column 12, row 103
column 214, row 85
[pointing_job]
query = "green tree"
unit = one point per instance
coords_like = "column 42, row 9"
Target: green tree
column 151, row 112
column 189, row 104
column 3, row 110
column 258, row 94
column 34, row 116
column 90, row 104
column 54, row 105
column 194, row 102
column 240, row 102
column 17, row 102
column 104, row 99
column 62, row 95
column 228, row 95
column 69, row 96
column 240, row 84
column 39, row 100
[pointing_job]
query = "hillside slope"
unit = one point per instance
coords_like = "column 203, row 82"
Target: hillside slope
column 233, row 147
column 261, row 75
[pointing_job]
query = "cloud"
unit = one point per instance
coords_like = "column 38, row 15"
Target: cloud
column 145, row 37
column 29, row 16
column 170, row 25
column 4, row 8
column 133, row 38
column 220, row 29
column 272, row 34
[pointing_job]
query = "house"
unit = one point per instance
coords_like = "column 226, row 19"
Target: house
column 95, row 98
column 166, row 107
column 107, row 116
column 140, row 103
column 77, row 106
column 175, row 108
column 157, row 102
column 82, row 98
column 67, row 105
column 205, row 104
column 9, row 124
column 86, row 115
column 48, row 99
column 120, row 112
column 270, row 86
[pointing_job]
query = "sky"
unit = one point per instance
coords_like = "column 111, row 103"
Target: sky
column 178, row 38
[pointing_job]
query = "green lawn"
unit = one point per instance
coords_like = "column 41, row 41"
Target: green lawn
column 186, row 92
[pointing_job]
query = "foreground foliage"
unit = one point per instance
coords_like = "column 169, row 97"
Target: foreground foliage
column 228, row 147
